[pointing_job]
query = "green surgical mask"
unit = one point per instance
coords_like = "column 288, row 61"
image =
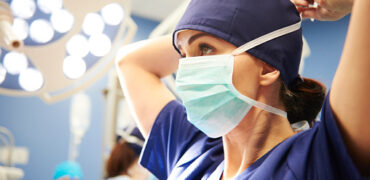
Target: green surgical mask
column 213, row 104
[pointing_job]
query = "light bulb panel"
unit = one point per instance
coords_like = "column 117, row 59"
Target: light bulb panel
column 36, row 17
column 20, row 73
column 53, row 58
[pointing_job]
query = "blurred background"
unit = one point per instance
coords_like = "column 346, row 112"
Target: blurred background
column 42, row 124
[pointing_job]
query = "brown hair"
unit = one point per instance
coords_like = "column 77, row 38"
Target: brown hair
column 304, row 101
column 120, row 160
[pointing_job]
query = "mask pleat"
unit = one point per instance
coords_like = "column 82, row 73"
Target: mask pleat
column 196, row 92
column 208, row 103
column 223, row 118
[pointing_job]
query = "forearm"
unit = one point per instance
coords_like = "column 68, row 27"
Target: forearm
column 156, row 56
column 139, row 71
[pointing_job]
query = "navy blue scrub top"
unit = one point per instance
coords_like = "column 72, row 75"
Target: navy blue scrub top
column 175, row 149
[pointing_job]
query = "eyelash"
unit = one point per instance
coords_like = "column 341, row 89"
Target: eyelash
column 200, row 49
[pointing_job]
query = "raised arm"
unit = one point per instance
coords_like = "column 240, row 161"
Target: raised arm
column 140, row 70
column 350, row 93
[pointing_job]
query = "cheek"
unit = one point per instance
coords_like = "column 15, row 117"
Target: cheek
column 245, row 75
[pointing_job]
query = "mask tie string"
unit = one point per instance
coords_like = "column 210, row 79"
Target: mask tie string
column 267, row 37
column 260, row 40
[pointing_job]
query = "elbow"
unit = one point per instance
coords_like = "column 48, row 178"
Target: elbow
column 121, row 57
column 128, row 53
column 126, row 66
column 120, row 62
column 120, row 65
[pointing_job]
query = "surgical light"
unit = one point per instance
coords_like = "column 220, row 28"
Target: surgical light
column 41, row 31
column 112, row 14
column 93, row 24
column 20, row 27
column 31, row 79
column 63, row 46
column 99, row 44
column 49, row 6
column 74, row 67
column 62, row 20
column 2, row 74
column 77, row 46
column 23, row 8
column 15, row 62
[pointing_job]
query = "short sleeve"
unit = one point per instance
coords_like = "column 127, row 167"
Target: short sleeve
column 170, row 137
column 329, row 138
column 321, row 151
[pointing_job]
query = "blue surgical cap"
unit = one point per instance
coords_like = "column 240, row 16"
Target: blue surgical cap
column 241, row 21
column 69, row 169
column 136, row 147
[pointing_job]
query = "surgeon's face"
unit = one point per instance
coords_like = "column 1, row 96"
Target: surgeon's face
column 246, row 67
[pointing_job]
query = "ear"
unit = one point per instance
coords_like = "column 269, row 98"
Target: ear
column 268, row 75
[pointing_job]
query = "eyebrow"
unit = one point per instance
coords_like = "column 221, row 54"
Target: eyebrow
column 195, row 37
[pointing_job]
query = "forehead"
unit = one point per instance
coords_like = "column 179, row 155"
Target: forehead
column 181, row 37
column 186, row 34
column 185, row 38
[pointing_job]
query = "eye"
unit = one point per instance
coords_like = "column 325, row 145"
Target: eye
column 205, row 49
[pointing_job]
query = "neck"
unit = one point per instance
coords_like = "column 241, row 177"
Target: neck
column 257, row 134
column 136, row 172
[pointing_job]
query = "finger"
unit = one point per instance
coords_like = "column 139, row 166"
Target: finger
column 303, row 3
column 308, row 13
column 300, row 9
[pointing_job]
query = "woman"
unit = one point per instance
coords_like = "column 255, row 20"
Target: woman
column 240, row 89
column 123, row 163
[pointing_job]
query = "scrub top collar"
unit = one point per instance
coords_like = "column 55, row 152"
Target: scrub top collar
column 217, row 174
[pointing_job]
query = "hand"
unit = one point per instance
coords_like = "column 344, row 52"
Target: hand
column 327, row 10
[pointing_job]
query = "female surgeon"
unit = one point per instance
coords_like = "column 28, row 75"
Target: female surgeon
column 240, row 89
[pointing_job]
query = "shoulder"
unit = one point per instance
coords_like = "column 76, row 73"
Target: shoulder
column 172, row 123
column 320, row 152
column 174, row 142
column 173, row 107
column 317, row 153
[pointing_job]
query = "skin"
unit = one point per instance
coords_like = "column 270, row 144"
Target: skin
column 259, row 131
column 143, row 65
column 350, row 97
column 137, row 172
column 328, row 10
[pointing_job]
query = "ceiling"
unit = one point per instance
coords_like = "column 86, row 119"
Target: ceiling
column 154, row 9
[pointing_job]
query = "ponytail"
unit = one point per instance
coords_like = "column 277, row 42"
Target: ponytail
column 304, row 101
